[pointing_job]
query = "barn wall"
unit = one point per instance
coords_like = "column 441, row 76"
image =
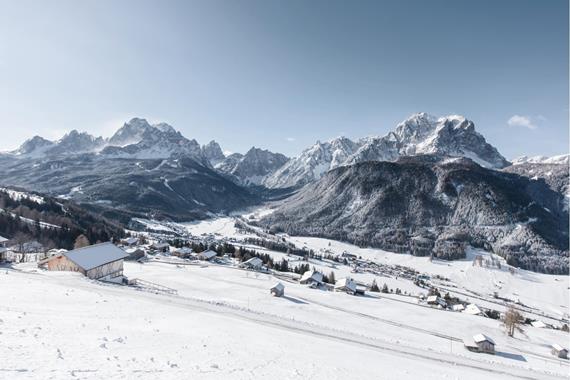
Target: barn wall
column 62, row 263
column 112, row 269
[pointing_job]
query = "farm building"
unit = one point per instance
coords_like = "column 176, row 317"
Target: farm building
column 277, row 290
column 311, row 277
column 3, row 250
column 345, row 285
column 559, row 351
column 100, row 261
column 207, row 255
column 254, row 263
column 160, row 247
column 480, row 343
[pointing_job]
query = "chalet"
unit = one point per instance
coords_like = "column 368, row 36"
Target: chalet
column 311, row 277
column 559, row 351
column 207, row 255
column 480, row 343
column 3, row 249
column 472, row 309
column 277, row 290
column 254, row 263
column 160, row 247
column 346, row 285
column 129, row 242
column 183, row 252
column 99, row 262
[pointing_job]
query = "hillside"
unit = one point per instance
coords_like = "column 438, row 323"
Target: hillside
column 428, row 206
column 53, row 222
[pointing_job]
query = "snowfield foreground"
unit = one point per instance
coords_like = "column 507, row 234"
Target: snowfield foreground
column 224, row 324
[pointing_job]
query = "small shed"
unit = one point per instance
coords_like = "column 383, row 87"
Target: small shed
column 458, row 307
column 559, row 351
column 277, row 290
column 345, row 285
column 311, row 277
column 160, row 247
column 207, row 255
column 480, row 343
column 538, row 324
column 254, row 263
column 472, row 309
column 100, row 261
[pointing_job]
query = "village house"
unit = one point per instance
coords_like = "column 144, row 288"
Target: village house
column 207, row 255
column 311, row 277
column 135, row 253
column 255, row 263
column 480, row 343
column 160, row 247
column 129, row 242
column 99, row 262
column 184, row 252
column 3, row 249
column 346, row 285
column 277, row 290
column 559, row 351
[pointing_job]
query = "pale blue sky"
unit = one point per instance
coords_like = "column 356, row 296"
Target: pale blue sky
column 283, row 74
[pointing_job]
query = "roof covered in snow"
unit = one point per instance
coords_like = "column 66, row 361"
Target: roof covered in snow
column 208, row 254
column 472, row 309
column 254, row 262
column 482, row 338
column 558, row 347
column 311, row 274
column 345, row 283
column 279, row 286
column 3, row 239
column 95, row 255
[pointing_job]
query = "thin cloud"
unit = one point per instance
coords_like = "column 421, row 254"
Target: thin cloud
column 521, row 121
column 290, row 139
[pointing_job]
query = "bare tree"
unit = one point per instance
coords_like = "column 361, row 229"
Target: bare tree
column 512, row 322
column 81, row 242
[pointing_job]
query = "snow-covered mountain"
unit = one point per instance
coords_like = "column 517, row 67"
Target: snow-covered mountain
column 452, row 136
column 135, row 139
column 213, row 153
column 563, row 159
column 312, row 163
column 253, row 167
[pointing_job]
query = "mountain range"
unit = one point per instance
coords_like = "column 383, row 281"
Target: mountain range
column 152, row 171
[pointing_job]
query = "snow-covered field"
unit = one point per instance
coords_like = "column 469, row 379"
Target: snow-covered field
column 223, row 323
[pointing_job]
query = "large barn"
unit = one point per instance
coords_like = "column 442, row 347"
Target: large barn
column 100, row 261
